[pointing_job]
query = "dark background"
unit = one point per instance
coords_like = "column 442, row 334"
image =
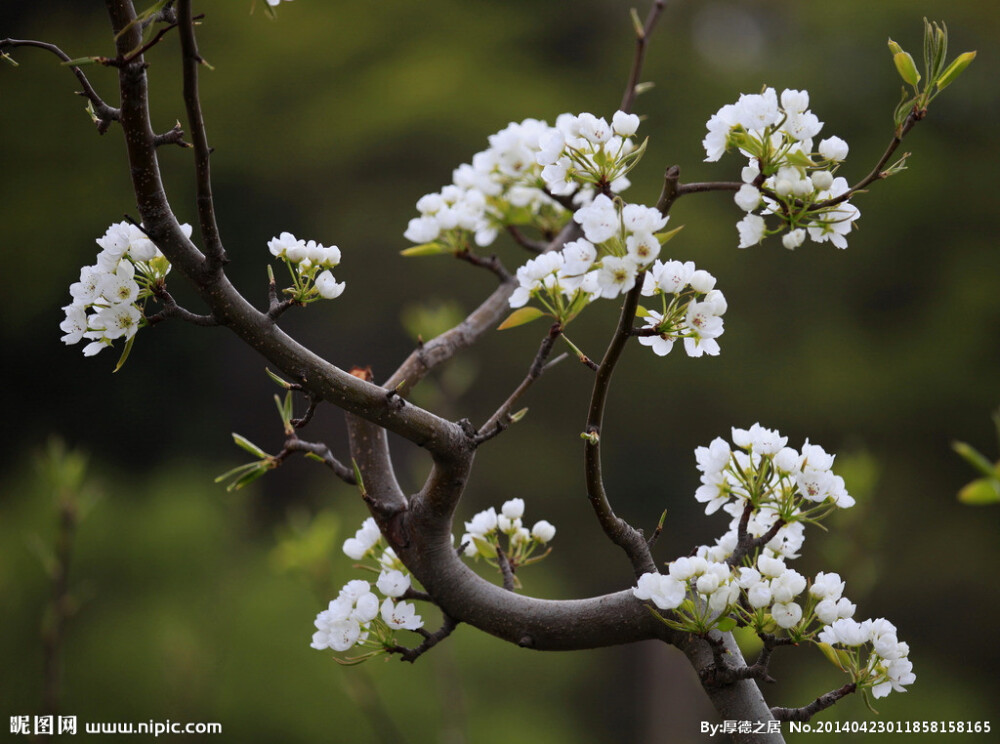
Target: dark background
column 331, row 123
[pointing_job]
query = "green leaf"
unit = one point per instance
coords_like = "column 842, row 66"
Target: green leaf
column 972, row 456
column 725, row 624
column 832, row 654
column 906, row 68
column 249, row 446
column 520, row 317
column 358, row 479
column 425, row 249
column 666, row 237
column 125, row 352
column 640, row 32
column 79, row 62
column 641, row 312
column 955, row 69
column 283, row 383
column 980, row 492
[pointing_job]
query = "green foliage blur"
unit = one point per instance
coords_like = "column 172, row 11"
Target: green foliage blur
column 331, row 122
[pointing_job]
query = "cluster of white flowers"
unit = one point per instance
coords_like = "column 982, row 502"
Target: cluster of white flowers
column 358, row 617
column 692, row 309
column 109, row 297
column 482, row 534
column 772, row 477
column 312, row 262
column 621, row 243
column 584, row 152
column 785, row 177
column 512, row 182
column 887, row 666
column 706, row 590
column 502, row 186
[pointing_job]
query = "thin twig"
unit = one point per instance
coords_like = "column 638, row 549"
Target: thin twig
column 640, row 54
column 430, row 641
column 535, row 246
column 174, row 136
column 172, row 310
column 105, row 114
column 506, row 570
column 491, row 263
column 294, row 444
column 314, row 402
column 876, row 172
column 215, row 254
column 501, row 419
column 808, row 711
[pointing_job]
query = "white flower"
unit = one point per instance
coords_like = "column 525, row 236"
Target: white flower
column 751, row 230
column 543, row 531
column 625, row 124
column 787, row 586
column 401, row 615
column 422, row 230
column 759, row 594
column 770, row 566
column 786, row 614
column 642, row 248
column 663, row 590
column 794, row 101
column 758, row 111
column 827, row 586
column 599, row 219
column 393, row 583
column 793, row 238
column 117, row 321
column 616, row 276
column 364, row 540
column 638, row 218
column 328, row 287
column 833, row 148
column 483, row 523
column 748, row 197
column 75, row 324
column 594, row 129
column 513, row 509
column 578, row 257
column 759, row 440
column 845, row 632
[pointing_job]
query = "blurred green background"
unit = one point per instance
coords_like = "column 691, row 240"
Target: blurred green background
column 197, row 605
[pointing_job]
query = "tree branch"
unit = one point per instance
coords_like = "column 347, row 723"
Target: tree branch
column 808, row 711
column 641, row 35
column 294, row 444
column 172, row 310
column 492, row 263
column 481, row 320
column 104, row 113
column 214, row 251
column 430, row 641
column 501, row 419
column 620, row 532
column 535, row 246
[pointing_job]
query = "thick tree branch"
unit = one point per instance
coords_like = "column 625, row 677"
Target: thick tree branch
column 104, row 113
column 232, row 310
